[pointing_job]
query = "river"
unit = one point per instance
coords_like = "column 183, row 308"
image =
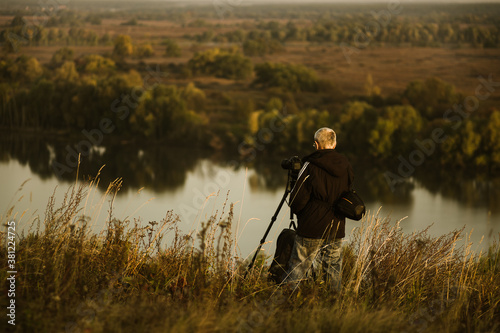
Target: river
column 195, row 185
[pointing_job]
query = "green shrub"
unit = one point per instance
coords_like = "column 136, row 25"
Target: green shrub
column 228, row 64
column 288, row 76
column 172, row 49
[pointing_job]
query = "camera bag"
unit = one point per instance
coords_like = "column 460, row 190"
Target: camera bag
column 350, row 205
column 284, row 246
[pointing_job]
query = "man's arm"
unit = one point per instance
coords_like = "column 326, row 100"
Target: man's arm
column 301, row 192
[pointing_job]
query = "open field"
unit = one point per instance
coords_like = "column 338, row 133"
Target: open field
column 392, row 67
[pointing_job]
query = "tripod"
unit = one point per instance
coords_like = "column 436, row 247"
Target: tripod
column 290, row 184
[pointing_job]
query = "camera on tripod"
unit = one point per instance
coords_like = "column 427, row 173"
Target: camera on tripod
column 294, row 164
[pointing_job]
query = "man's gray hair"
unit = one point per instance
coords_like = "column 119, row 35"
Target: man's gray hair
column 326, row 137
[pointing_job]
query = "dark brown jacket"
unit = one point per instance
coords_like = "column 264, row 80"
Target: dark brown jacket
column 322, row 179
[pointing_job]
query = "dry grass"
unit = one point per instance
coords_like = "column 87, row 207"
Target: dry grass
column 128, row 278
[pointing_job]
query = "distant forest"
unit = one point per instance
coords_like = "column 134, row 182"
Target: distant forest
column 417, row 25
column 126, row 92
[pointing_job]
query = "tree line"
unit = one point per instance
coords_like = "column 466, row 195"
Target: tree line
column 357, row 30
column 78, row 94
column 270, row 38
column 72, row 94
column 355, row 27
column 20, row 35
column 428, row 122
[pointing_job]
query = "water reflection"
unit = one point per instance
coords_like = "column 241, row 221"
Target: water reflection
column 158, row 167
column 164, row 168
column 28, row 150
column 468, row 188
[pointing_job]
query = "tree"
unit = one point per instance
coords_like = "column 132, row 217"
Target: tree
column 370, row 88
column 42, row 113
column 53, row 35
column 293, row 32
column 357, row 119
column 274, row 103
column 471, row 139
column 195, row 98
column 123, row 46
column 132, row 21
column 227, row 64
column 94, row 19
column 431, row 97
column 261, row 47
column 17, row 21
column 446, row 33
column 66, row 73
column 379, row 133
column 61, row 56
column 145, row 51
column 461, row 147
column 7, row 109
column 235, row 36
column 233, row 66
column 9, row 44
column 96, row 64
column 394, row 131
column 301, row 127
column 288, row 76
column 380, row 138
column 253, row 47
column 205, row 37
column 204, row 62
column 491, row 139
column 106, row 39
column 26, row 69
column 162, row 113
column 172, row 49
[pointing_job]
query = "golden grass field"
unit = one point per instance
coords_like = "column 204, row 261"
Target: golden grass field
column 131, row 278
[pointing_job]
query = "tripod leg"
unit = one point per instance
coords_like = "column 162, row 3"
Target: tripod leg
column 262, row 241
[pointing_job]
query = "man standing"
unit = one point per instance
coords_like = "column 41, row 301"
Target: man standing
column 322, row 179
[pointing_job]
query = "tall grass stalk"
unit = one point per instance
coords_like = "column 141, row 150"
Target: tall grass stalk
column 127, row 277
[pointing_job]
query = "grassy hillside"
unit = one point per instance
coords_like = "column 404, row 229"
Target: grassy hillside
column 132, row 278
